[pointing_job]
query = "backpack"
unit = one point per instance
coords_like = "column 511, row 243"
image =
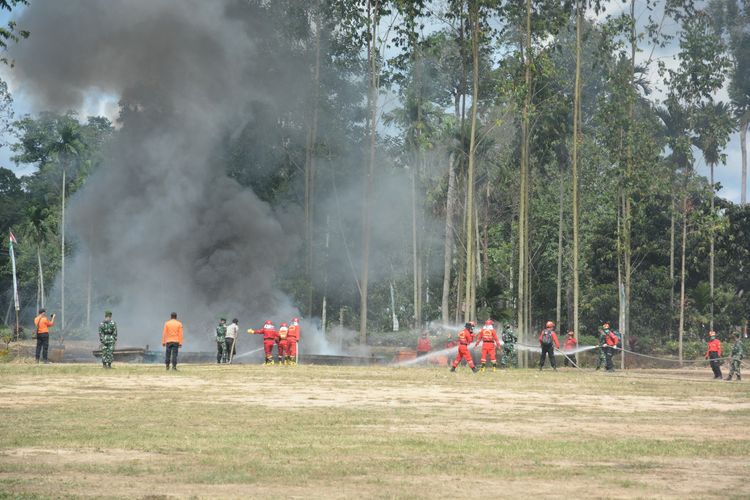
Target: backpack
column 547, row 337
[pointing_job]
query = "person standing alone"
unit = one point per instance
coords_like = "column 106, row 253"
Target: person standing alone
column 737, row 353
column 171, row 338
column 108, row 338
column 714, row 353
column 232, row 330
column 221, row 341
column 42, row 324
column 548, row 341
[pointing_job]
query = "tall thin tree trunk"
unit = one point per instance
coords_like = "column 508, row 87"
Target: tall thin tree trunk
column 88, row 293
column 41, row 276
column 460, row 304
column 310, row 161
column 372, row 95
column 743, row 149
column 682, row 271
column 324, row 308
column 415, row 249
column 62, row 257
column 523, row 211
column 627, row 212
column 448, row 241
column 470, row 261
column 558, row 303
column 671, row 267
column 712, row 238
column 574, row 167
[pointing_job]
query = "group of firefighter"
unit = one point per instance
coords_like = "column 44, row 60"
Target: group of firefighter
column 609, row 341
column 285, row 338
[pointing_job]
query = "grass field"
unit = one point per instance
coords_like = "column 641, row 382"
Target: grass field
column 307, row 431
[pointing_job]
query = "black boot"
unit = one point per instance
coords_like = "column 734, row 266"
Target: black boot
column 739, row 377
column 167, row 367
column 453, row 368
column 474, row 369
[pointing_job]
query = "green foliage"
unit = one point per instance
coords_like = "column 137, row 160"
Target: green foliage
column 630, row 145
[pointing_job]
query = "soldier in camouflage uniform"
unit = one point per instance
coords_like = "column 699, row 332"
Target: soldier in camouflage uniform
column 108, row 338
column 509, row 348
column 601, row 358
column 738, row 352
column 221, row 341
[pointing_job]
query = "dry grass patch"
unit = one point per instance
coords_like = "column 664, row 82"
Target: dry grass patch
column 251, row 431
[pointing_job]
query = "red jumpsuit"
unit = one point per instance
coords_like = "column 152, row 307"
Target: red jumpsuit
column 489, row 339
column 423, row 346
column 269, row 339
column 283, row 348
column 464, row 339
column 291, row 341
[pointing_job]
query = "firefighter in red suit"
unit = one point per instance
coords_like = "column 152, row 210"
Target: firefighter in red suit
column 464, row 339
column 283, row 345
column 270, row 335
column 423, row 345
column 612, row 340
column 291, row 341
column 488, row 337
column 548, row 341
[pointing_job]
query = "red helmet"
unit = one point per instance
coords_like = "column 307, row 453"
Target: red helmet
column 550, row 324
column 283, row 325
column 268, row 323
column 488, row 322
column 295, row 320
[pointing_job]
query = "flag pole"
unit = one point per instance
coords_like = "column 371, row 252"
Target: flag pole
column 12, row 239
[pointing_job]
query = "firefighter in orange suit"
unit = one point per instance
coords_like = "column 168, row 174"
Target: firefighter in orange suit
column 283, row 345
column 270, row 335
column 291, row 341
column 464, row 339
column 488, row 337
column 714, row 353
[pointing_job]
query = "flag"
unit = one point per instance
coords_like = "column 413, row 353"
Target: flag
column 13, row 264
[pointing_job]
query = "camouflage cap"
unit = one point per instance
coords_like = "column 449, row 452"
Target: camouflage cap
column 107, row 313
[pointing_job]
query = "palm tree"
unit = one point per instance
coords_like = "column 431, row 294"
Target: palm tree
column 714, row 124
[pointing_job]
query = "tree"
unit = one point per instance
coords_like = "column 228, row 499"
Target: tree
column 713, row 125
column 701, row 72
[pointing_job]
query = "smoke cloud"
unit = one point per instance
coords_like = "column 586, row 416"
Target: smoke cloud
column 164, row 227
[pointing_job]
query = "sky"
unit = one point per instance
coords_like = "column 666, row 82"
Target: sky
column 101, row 104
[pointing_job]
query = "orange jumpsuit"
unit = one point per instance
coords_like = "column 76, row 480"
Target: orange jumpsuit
column 269, row 339
column 464, row 339
column 292, row 337
column 283, row 348
column 714, row 353
column 489, row 339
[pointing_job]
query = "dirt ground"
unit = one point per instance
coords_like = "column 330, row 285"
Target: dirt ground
column 334, row 432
